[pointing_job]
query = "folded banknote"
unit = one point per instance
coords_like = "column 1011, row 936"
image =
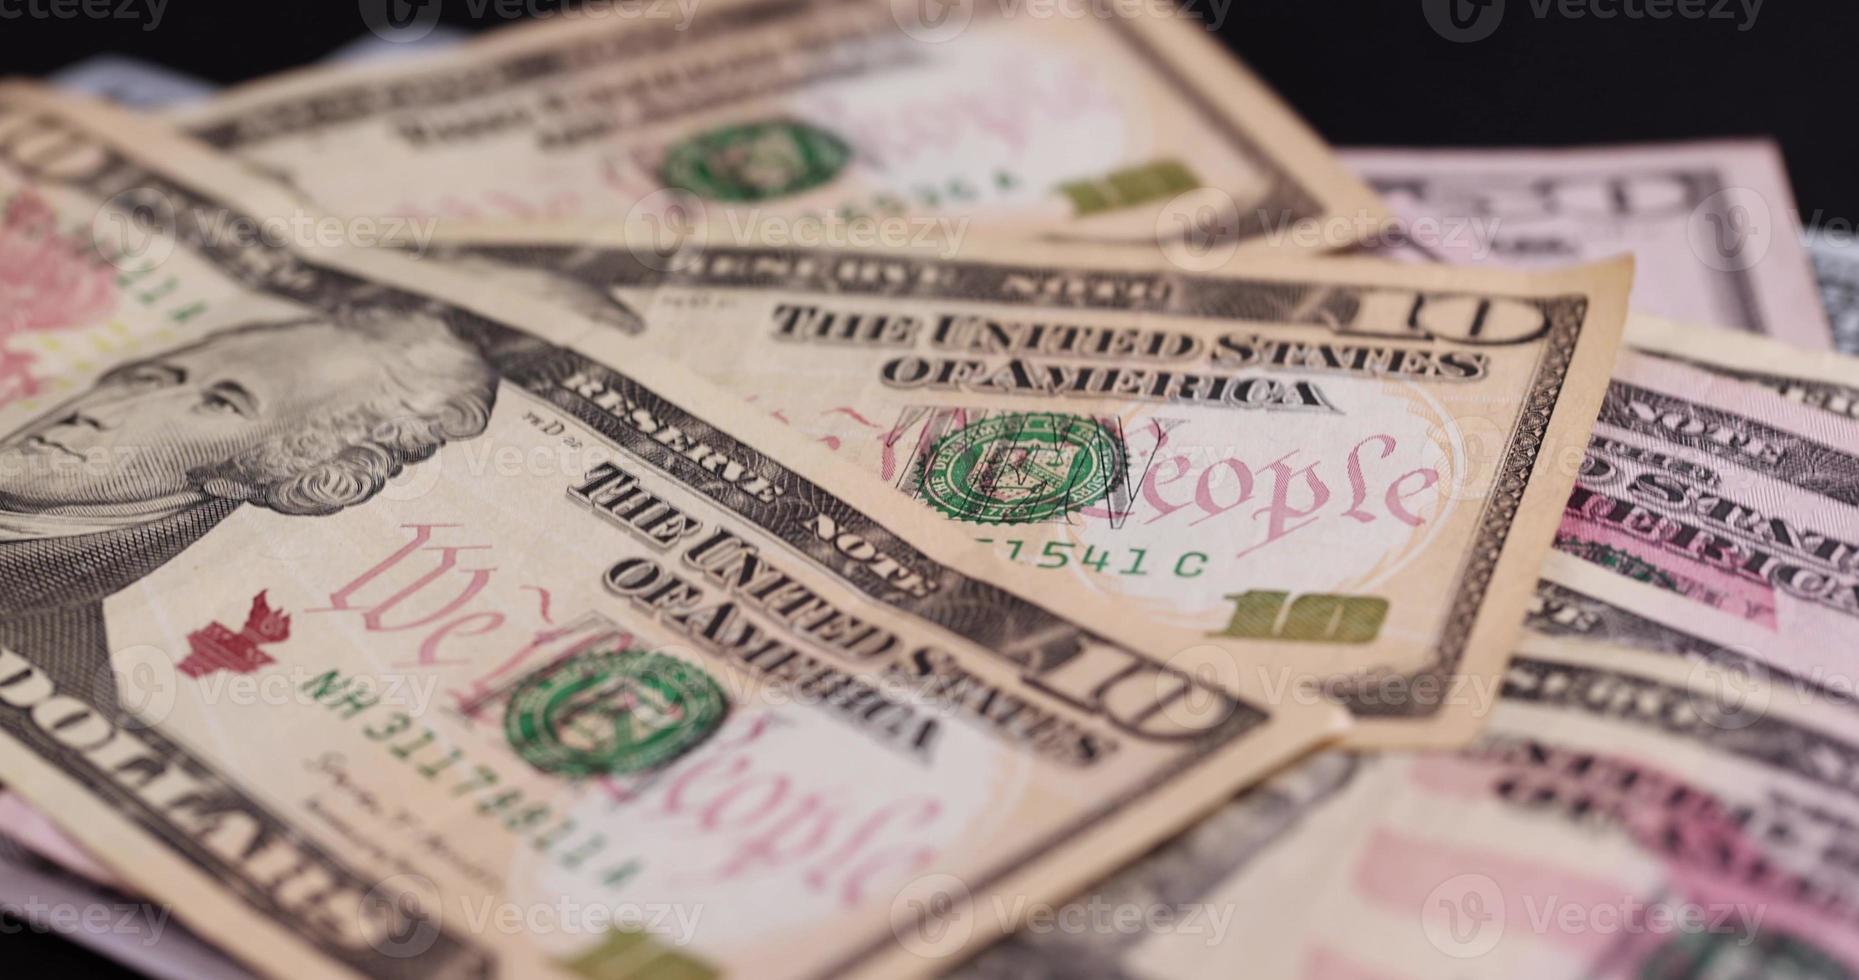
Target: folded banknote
column 380, row 621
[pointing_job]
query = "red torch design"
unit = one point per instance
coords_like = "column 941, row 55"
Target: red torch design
column 218, row 648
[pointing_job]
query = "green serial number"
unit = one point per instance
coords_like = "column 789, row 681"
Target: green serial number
column 419, row 747
column 1104, row 561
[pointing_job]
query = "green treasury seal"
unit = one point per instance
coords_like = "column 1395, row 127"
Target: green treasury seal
column 612, row 712
column 1023, row 467
column 755, row 161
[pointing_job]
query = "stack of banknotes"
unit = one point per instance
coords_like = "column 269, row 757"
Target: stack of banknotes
column 811, row 490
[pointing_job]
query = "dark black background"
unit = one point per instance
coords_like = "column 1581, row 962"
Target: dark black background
column 1363, row 72
column 43, row 954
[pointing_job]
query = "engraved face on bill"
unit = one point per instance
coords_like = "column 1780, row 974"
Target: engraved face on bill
column 368, row 618
column 1712, row 226
column 1327, row 471
column 1088, row 127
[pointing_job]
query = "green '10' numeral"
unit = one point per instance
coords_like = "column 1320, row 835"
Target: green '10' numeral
column 1129, row 187
column 1315, row 618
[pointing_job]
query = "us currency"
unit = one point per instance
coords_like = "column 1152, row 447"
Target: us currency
column 1239, row 887
column 1714, row 515
column 1836, row 268
column 1712, row 225
column 144, row 85
column 30, row 832
column 43, row 896
column 1178, row 442
column 1823, row 382
column 376, row 622
column 1093, row 936
column 825, row 113
column 1623, row 816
